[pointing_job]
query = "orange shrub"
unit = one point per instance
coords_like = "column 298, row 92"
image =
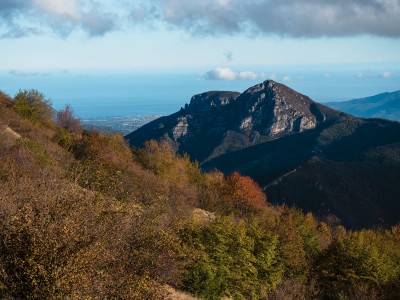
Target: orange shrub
column 244, row 194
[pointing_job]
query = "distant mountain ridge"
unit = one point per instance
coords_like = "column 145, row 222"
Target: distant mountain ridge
column 278, row 136
column 385, row 106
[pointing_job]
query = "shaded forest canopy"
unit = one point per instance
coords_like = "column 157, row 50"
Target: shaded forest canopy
column 82, row 215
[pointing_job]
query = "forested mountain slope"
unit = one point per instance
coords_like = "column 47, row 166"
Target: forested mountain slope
column 273, row 134
column 84, row 216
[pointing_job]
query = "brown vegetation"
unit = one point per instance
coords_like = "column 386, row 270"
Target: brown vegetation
column 83, row 216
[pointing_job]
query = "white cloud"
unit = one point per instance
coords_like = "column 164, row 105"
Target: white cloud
column 21, row 73
column 220, row 74
column 60, row 7
column 387, row 74
column 363, row 74
column 248, row 75
column 286, row 78
column 229, row 75
column 223, row 2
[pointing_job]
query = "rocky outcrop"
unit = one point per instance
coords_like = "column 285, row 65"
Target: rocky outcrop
column 211, row 100
column 274, row 109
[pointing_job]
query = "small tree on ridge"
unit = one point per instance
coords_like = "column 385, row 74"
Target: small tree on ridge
column 66, row 119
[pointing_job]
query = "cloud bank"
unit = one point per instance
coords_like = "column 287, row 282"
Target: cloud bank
column 386, row 74
column 228, row 74
column 20, row 18
column 293, row 18
column 21, row 73
column 296, row 18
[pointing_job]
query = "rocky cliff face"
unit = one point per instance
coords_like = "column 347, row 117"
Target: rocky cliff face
column 221, row 121
column 273, row 109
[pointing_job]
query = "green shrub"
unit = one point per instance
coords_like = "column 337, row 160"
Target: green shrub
column 64, row 138
column 32, row 105
column 234, row 259
column 160, row 158
column 367, row 258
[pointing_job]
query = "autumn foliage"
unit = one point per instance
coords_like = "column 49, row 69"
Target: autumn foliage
column 83, row 216
column 244, row 194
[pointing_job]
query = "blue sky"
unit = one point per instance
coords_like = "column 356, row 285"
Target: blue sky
column 165, row 34
column 215, row 40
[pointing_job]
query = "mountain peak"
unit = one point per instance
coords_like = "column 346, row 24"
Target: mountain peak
column 269, row 83
column 263, row 86
column 215, row 121
column 275, row 109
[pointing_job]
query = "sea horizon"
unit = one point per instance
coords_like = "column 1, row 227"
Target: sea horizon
column 95, row 94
